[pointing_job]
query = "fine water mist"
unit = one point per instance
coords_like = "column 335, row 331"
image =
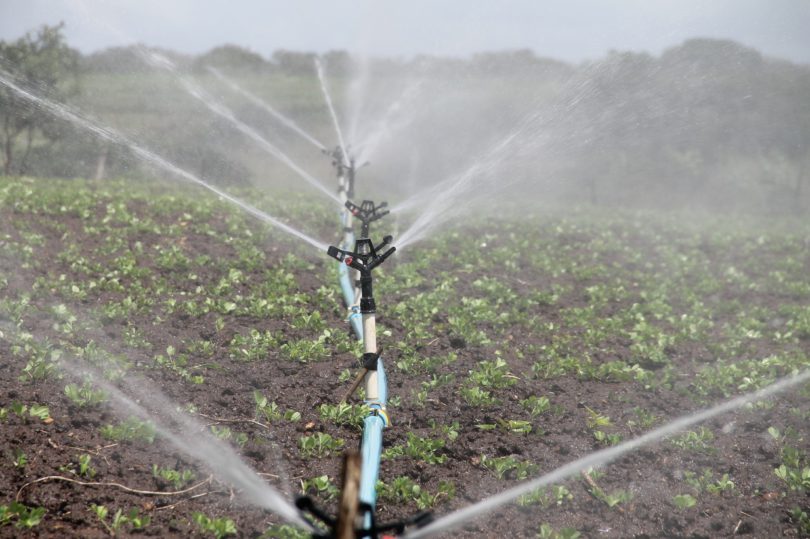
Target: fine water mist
column 332, row 113
column 150, row 157
column 221, row 110
column 286, row 121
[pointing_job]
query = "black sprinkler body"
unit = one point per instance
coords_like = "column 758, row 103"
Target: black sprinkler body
column 364, row 259
column 367, row 213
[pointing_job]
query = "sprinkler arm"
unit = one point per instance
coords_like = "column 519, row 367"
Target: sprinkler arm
column 364, row 258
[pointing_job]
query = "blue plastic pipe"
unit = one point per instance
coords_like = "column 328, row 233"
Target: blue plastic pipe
column 371, row 448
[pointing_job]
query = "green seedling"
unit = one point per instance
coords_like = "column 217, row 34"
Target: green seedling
column 85, row 396
column 321, row 486
column 23, row 516
column 475, row 396
column 82, row 468
column 607, row 439
column 40, row 411
column 596, row 420
column 554, row 495
column 536, row 405
column 508, row 467
column 801, row 519
column 405, row 490
column 644, row 419
column 285, row 531
column 119, row 519
column 546, row 531
column 270, row 411
column 130, row 430
column 319, row 445
column 177, row 478
column 698, row 441
column 19, row 459
column 684, row 501
column 343, row 414
column 218, row 527
column 514, row 426
column 493, row 374
column 423, row 449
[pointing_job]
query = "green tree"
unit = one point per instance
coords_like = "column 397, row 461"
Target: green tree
column 42, row 61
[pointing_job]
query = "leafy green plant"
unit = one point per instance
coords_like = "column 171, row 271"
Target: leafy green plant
column 85, row 396
column 423, row 449
column 176, row 478
column 644, row 418
column 119, row 519
column 554, row 495
column 514, row 426
column 82, row 468
column 40, row 411
column 475, row 396
column 306, row 350
column 270, row 411
column 508, row 467
column 285, row 531
column 19, row 459
column 343, row 413
column 130, row 430
column 319, row 445
column 494, row 374
column 699, row 441
column 321, row 486
column 796, row 478
column 546, row 531
column 801, row 520
column 255, row 346
column 403, row 489
column 536, row 405
column 23, row 516
column 706, row 482
column 612, row 499
column 684, row 501
column 218, row 527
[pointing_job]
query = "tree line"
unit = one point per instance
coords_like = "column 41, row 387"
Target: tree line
column 702, row 120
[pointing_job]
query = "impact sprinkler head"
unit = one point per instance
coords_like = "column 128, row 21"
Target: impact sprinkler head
column 367, row 213
column 364, row 259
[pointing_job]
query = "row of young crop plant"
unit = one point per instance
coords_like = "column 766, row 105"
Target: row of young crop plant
column 690, row 311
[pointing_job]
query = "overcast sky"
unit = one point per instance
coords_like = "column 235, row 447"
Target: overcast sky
column 571, row 30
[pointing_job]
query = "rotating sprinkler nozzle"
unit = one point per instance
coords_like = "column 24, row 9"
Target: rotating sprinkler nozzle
column 367, row 212
column 364, row 258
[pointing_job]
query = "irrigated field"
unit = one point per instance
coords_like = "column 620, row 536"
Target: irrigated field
column 512, row 347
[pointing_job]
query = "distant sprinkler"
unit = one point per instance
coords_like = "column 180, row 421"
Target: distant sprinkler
column 346, row 167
